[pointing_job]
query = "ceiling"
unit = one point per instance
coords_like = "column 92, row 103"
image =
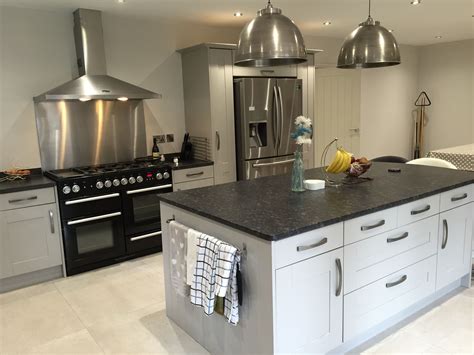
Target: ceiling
column 416, row 25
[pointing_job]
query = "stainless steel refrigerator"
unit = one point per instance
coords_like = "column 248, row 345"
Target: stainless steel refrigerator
column 265, row 110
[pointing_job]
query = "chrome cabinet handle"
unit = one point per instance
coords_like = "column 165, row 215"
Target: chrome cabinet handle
column 218, row 140
column 95, row 218
column 378, row 224
column 144, row 236
column 339, row 273
column 195, row 174
column 51, row 221
column 311, row 246
column 421, row 210
column 458, row 198
column 258, row 165
column 445, row 234
column 396, row 239
column 31, row 198
column 398, row 282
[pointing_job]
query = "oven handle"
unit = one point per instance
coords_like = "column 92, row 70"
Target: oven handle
column 95, row 218
column 144, row 236
column 89, row 199
column 131, row 192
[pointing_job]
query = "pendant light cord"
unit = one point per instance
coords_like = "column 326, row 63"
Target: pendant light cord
column 369, row 7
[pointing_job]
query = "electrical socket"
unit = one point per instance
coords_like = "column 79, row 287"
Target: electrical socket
column 161, row 138
column 170, row 137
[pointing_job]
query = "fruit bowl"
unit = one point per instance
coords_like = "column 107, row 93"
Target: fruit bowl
column 358, row 167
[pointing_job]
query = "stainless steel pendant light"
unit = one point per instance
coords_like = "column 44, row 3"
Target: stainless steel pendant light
column 369, row 46
column 270, row 39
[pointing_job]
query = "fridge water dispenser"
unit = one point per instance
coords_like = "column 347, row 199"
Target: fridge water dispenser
column 258, row 134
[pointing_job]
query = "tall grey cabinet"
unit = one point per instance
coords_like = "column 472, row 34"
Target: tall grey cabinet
column 208, row 74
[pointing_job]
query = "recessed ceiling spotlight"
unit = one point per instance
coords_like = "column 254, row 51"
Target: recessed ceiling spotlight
column 415, row 2
column 238, row 14
column 326, row 23
column 438, row 37
column 121, row 1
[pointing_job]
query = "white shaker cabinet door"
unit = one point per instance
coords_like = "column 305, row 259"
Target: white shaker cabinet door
column 222, row 115
column 29, row 240
column 308, row 297
column 454, row 245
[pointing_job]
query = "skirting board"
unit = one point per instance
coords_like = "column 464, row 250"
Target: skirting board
column 32, row 278
column 376, row 334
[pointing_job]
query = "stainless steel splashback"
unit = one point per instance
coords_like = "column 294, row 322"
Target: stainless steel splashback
column 74, row 133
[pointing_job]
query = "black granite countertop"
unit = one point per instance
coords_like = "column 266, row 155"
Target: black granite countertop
column 35, row 181
column 194, row 163
column 267, row 208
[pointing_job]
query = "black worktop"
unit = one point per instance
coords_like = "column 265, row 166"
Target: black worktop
column 267, row 208
column 33, row 182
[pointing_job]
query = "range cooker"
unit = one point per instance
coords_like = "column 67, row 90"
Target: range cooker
column 110, row 213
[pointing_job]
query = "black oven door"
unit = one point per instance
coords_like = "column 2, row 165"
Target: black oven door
column 92, row 240
column 141, row 208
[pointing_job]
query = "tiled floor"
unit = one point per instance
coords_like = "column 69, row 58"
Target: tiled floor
column 121, row 309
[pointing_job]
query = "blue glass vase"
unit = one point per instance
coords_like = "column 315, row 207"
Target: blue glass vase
column 297, row 176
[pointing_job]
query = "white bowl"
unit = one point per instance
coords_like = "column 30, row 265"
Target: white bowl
column 314, row 184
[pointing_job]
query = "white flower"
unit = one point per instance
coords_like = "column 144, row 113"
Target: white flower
column 304, row 121
column 302, row 140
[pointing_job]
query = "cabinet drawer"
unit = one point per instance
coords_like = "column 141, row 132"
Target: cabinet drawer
column 419, row 209
column 192, row 174
column 376, row 257
column 457, row 197
column 193, row 184
column 26, row 198
column 306, row 245
column 369, row 225
column 377, row 302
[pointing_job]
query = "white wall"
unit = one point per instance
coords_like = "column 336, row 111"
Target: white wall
column 387, row 97
column 446, row 73
column 37, row 54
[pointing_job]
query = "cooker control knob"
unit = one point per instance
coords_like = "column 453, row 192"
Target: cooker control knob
column 166, row 175
column 99, row 184
column 76, row 188
column 131, row 180
column 124, row 181
column 139, row 179
column 108, row 183
column 116, row 182
column 66, row 190
column 159, row 176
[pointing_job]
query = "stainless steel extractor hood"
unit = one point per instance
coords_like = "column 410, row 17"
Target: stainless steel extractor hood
column 93, row 82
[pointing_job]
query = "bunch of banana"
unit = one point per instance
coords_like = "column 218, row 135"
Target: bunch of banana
column 341, row 162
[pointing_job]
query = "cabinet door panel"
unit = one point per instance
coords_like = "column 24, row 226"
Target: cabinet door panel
column 308, row 312
column 454, row 244
column 30, row 239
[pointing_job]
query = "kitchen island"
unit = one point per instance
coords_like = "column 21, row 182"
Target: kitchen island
column 326, row 270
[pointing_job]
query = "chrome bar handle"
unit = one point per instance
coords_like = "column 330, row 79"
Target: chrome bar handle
column 195, row 174
column 258, row 165
column 398, row 282
column 89, row 199
column 275, row 118
column 146, row 189
column 378, row 224
column 144, row 236
column 396, row 239
column 281, row 117
column 339, row 273
column 218, row 140
column 458, row 198
column 445, row 234
column 421, row 210
column 311, row 246
column 95, row 218
column 31, row 198
column 51, row 221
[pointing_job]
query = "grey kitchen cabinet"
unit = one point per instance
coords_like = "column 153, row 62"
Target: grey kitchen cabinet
column 29, row 238
column 192, row 178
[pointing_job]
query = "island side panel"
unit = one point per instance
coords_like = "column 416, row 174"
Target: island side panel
column 254, row 333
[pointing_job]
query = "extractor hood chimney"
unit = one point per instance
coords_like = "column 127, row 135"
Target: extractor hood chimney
column 93, row 82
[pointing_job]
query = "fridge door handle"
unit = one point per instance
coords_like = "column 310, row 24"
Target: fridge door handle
column 275, row 117
column 280, row 118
